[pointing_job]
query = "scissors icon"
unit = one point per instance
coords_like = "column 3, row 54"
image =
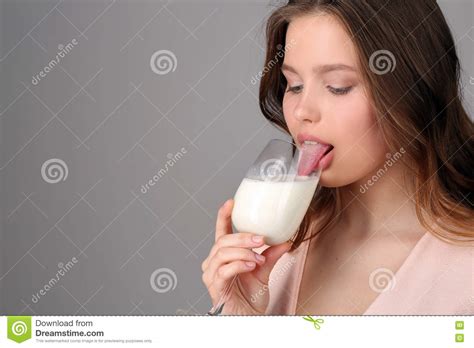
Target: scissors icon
column 315, row 322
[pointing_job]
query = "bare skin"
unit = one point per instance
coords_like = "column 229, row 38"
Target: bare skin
column 375, row 232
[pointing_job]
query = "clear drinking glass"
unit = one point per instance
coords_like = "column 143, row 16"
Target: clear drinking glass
column 273, row 198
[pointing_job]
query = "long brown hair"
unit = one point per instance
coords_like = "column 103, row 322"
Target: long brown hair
column 418, row 106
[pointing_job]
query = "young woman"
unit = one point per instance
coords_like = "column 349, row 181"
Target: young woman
column 391, row 228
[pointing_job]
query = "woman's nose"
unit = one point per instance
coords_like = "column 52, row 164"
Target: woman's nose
column 306, row 109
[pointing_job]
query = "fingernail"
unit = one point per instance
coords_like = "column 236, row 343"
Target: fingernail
column 259, row 257
column 257, row 239
column 250, row 264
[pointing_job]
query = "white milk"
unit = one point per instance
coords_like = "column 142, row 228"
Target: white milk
column 273, row 209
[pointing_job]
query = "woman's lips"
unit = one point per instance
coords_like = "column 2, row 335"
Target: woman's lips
column 302, row 137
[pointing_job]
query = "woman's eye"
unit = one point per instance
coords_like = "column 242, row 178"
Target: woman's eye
column 294, row 89
column 339, row 91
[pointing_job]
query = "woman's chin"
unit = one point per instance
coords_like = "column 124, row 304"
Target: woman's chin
column 328, row 179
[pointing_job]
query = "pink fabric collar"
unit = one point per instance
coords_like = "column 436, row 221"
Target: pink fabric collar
column 435, row 278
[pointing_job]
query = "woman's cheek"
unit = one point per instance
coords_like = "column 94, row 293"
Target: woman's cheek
column 291, row 122
column 360, row 148
column 365, row 148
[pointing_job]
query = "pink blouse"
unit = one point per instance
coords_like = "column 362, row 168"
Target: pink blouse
column 436, row 278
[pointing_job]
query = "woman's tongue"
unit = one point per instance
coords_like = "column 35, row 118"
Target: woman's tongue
column 310, row 155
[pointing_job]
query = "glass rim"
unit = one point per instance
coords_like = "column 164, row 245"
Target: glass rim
column 292, row 142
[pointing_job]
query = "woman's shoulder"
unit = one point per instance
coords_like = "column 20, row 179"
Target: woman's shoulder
column 437, row 260
column 436, row 279
column 447, row 251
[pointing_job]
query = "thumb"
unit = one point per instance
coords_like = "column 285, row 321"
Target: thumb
column 272, row 255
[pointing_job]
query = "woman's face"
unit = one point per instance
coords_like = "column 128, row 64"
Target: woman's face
column 325, row 98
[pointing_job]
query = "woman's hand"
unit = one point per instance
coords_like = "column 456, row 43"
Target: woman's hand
column 232, row 254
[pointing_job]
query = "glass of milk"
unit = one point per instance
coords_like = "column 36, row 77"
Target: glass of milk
column 272, row 199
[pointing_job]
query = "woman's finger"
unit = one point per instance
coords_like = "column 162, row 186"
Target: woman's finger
column 223, row 222
column 237, row 240
column 223, row 226
column 227, row 255
column 226, row 272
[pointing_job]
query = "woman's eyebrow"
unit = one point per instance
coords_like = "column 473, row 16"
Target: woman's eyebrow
column 321, row 69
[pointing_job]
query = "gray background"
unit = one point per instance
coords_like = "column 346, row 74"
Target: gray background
column 115, row 123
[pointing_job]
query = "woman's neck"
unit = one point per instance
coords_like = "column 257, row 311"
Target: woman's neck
column 381, row 203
